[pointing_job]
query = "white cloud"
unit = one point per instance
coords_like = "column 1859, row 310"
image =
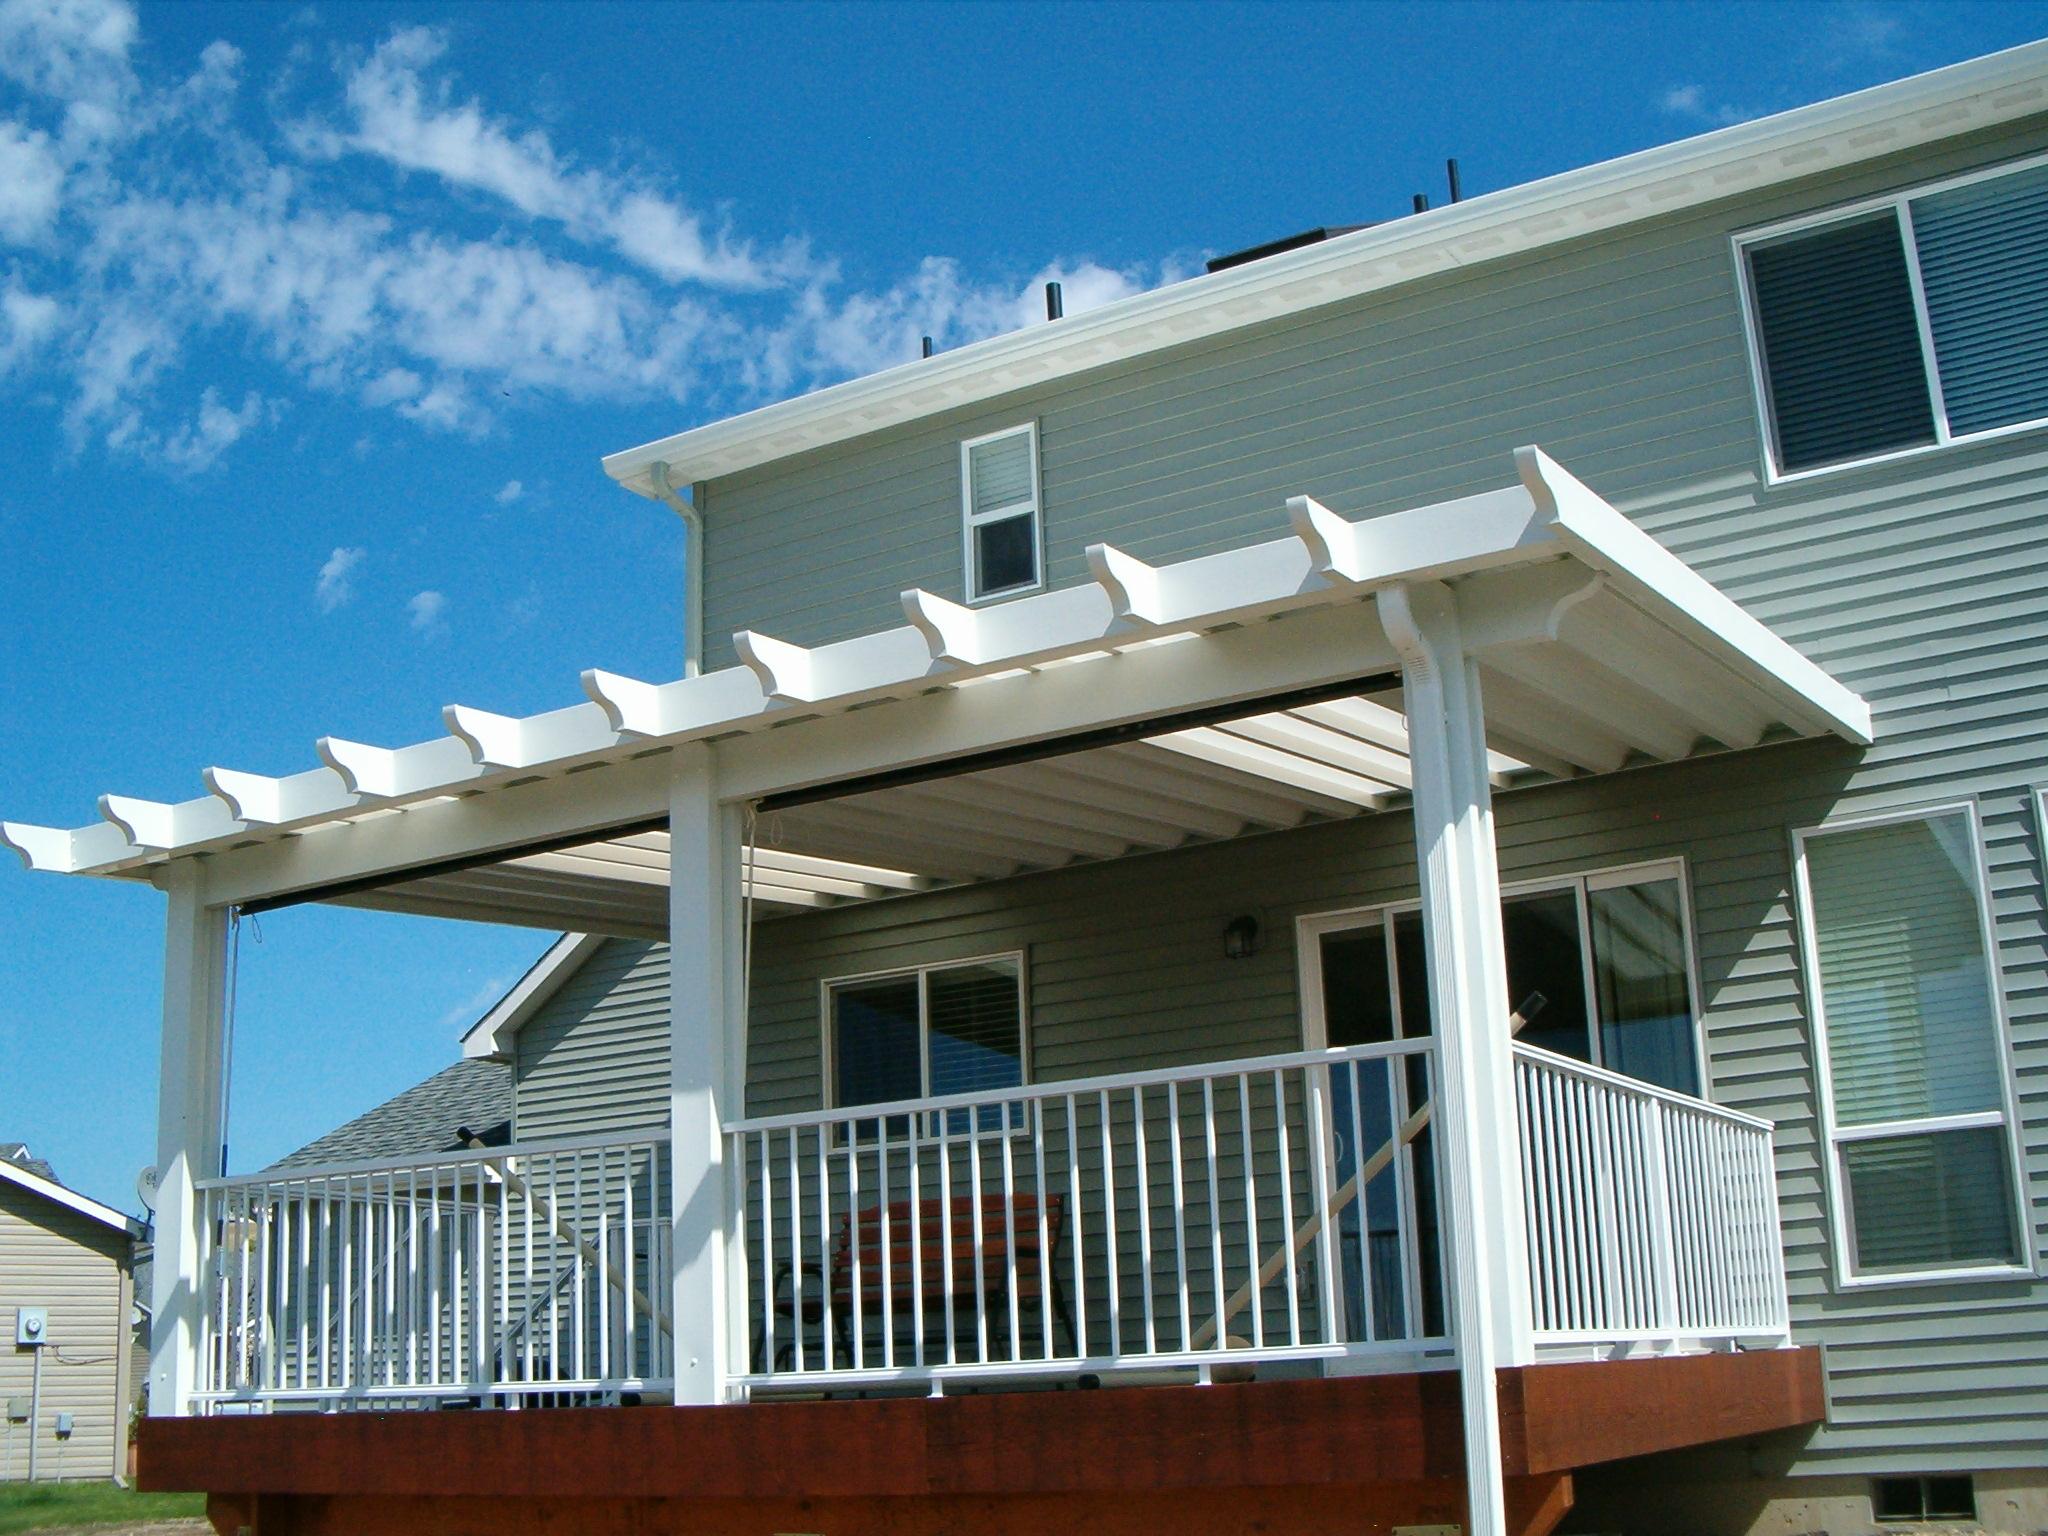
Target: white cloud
column 427, row 610
column 31, row 184
column 27, row 321
column 1692, row 101
column 336, row 585
column 210, row 433
column 186, row 234
column 399, row 117
column 473, row 1007
column 508, row 493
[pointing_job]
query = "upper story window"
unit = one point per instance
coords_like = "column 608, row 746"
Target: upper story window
column 1910, row 1040
column 1904, row 323
column 999, row 511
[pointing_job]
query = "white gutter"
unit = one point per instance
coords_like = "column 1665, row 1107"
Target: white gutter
column 659, row 485
column 1883, row 120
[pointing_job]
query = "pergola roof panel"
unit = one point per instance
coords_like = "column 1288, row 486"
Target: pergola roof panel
column 1152, row 706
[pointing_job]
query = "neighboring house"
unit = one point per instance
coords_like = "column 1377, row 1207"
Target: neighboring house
column 1512, row 950
column 67, row 1259
column 467, row 1103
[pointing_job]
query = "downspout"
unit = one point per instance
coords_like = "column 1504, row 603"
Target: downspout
column 693, row 567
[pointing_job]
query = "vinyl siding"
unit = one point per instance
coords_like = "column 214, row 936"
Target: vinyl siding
column 594, row 1059
column 1920, row 583
column 51, row 1256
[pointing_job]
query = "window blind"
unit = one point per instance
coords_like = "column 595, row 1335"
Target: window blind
column 1905, row 986
column 1983, row 250
column 1841, row 343
column 976, row 1042
column 1000, row 473
column 1931, row 1201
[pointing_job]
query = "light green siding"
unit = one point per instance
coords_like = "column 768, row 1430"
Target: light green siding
column 1923, row 584
column 594, row 1059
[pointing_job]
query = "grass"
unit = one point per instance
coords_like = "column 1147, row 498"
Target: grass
column 75, row 1506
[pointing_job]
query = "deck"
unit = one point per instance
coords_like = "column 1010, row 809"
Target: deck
column 1354, row 1454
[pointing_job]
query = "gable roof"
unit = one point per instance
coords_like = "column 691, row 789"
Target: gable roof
column 1655, row 182
column 425, row 1119
column 492, row 1034
column 15, row 1170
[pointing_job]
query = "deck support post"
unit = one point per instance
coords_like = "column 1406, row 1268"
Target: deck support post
column 190, row 1117
column 707, row 1076
column 1461, row 920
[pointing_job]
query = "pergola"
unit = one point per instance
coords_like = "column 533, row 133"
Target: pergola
column 1334, row 671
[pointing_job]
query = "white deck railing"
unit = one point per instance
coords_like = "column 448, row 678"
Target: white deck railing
column 529, row 1273
column 1188, row 1218
column 1169, row 1218
column 1652, row 1216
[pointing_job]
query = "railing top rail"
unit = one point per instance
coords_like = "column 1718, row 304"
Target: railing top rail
column 1571, row 1066
column 1056, row 1088
column 314, row 1173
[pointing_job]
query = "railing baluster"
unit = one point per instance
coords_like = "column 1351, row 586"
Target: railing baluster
column 827, row 1281
column 1010, row 1242
column 1180, row 1214
column 949, row 1284
column 767, row 1247
column 1367, row 1319
column 796, row 1255
column 1316, row 1084
column 1078, row 1306
column 1044, row 1256
column 1216, row 1299
column 1287, row 1206
column 1116, row 1331
column 1248, row 1156
column 856, row 1241
column 913, row 1157
column 1144, row 1217
column 629, row 1243
column 888, row 1257
column 980, row 1244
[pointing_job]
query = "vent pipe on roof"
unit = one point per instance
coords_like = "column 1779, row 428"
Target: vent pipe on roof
column 1054, row 305
column 929, row 349
column 1451, row 174
column 1422, row 202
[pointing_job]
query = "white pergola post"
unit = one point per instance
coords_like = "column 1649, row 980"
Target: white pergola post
column 707, row 1077
column 1461, row 922
column 188, row 1146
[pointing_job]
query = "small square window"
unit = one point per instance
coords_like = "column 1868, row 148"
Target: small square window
column 1000, row 512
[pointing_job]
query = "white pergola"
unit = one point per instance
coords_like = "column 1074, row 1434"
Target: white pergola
column 1333, row 671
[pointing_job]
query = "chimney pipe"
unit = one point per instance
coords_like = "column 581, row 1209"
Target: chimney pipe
column 929, row 349
column 1457, row 188
column 1055, row 306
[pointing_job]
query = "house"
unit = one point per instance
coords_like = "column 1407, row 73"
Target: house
column 66, row 1295
column 1211, row 938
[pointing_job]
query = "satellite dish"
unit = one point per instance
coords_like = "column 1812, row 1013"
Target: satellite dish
column 145, row 1187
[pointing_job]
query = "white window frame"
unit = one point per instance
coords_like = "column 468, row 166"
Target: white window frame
column 1834, row 1136
column 970, row 521
column 1900, row 204
column 828, row 1053
column 1310, row 927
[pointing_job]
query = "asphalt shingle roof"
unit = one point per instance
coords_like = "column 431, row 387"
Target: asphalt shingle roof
column 474, row 1093
column 17, row 1152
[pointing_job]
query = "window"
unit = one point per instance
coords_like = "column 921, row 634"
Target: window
column 999, row 503
column 1924, row 1498
column 1599, row 966
column 1904, row 323
column 925, row 1033
column 1910, row 1046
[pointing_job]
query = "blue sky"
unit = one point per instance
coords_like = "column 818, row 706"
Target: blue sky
column 314, row 322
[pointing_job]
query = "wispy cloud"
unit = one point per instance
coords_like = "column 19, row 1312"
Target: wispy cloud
column 508, row 493
column 428, row 610
column 335, row 585
column 1692, row 101
column 473, row 1007
column 169, row 208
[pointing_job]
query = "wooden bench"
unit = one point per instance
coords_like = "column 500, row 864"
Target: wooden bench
column 1009, row 1230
